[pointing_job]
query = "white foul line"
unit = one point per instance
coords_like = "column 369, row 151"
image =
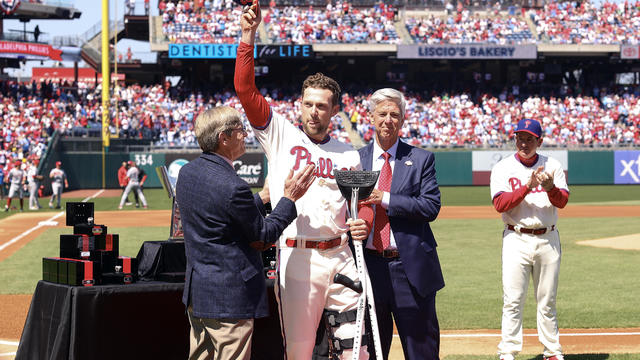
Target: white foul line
column 5, row 342
column 41, row 224
column 9, row 354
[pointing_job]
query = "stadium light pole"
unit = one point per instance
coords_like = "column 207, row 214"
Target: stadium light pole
column 105, row 85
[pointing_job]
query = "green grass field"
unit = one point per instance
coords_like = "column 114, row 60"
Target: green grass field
column 598, row 287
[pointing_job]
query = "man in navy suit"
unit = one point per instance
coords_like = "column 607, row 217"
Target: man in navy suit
column 401, row 251
column 224, row 229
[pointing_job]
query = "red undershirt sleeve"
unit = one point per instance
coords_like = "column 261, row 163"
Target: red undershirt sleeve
column 558, row 197
column 254, row 104
column 506, row 201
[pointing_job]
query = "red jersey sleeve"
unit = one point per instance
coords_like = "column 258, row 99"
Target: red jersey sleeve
column 506, row 201
column 254, row 104
column 558, row 197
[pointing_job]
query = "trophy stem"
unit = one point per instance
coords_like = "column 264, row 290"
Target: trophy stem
column 354, row 202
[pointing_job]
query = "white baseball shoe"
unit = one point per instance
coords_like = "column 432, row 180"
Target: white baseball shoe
column 507, row 357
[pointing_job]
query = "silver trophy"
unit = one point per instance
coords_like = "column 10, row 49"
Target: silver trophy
column 357, row 185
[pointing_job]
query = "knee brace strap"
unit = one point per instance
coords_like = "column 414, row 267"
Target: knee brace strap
column 341, row 344
column 334, row 318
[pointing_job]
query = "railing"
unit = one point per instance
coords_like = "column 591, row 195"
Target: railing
column 42, row 39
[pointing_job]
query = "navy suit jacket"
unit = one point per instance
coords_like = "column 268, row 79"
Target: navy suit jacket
column 220, row 217
column 414, row 202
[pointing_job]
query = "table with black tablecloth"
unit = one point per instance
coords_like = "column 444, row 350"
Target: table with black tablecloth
column 144, row 320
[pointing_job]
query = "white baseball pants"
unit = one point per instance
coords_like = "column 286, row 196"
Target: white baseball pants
column 304, row 288
column 16, row 190
column 33, row 196
column 133, row 187
column 538, row 257
column 56, row 189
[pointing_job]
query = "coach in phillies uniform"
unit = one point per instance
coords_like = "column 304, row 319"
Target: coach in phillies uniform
column 528, row 188
column 401, row 251
column 223, row 224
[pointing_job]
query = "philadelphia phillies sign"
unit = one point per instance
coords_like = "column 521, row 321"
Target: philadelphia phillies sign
column 36, row 50
column 468, row 51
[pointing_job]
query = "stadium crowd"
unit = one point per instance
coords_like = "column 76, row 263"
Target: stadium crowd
column 200, row 21
column 465, row 27
column 460, row 121
column 339, row 23
column 558, row 22
column 31, row 112
column 585, row 23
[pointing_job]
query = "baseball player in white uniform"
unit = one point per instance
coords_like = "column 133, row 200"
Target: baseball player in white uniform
column 133, row 185
column 33, row 182
column 16, row 179
column 315, row 246
column 528, row 188
column 58, row 179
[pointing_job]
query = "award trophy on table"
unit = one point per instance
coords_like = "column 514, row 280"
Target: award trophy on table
column 169, row 185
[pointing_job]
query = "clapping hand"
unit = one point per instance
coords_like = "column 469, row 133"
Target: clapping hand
column 544, row 178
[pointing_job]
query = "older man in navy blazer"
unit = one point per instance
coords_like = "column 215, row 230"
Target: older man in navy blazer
column 224, row 230
column 401, row 251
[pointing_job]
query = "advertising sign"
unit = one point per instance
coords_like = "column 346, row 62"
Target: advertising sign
column 229, row 51
column 469, row 51
column 204, row 51
column 250, row 166
column 30, row 49
column 629, row 51
column 627, row 167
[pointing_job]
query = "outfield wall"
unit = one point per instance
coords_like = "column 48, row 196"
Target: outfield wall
column 84, row 170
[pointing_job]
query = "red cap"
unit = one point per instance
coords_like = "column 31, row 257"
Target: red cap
column 130, row 162
column 18, row 162
column 58, row 163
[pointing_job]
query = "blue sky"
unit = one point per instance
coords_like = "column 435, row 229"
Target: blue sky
column 91, row 15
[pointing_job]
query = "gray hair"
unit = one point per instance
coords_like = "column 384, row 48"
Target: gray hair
column 210, row 123
column 388, row 94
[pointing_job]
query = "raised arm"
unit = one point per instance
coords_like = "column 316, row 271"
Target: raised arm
column 254, row 104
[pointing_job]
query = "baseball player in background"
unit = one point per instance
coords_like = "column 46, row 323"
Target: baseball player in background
column 33, row 182
column 58, row 179
column 16, row 179
column 528, row 188
column 315, row 246
column 133, row 185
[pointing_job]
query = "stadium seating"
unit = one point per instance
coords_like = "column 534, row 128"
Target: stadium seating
column 31, row 112
column 342, row 23
column 465, row 28
column 585, row 23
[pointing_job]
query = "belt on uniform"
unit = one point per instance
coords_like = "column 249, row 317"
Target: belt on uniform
column 312, row 244
column 387, row 254
column 539, row 231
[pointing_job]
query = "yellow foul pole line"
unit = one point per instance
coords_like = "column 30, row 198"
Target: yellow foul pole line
column 105, row 85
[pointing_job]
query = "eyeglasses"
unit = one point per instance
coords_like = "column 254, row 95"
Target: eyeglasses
column 242, row 128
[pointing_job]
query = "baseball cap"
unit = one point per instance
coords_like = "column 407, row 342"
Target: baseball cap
column 130, row 162
column 58, row 163
column 530, row 126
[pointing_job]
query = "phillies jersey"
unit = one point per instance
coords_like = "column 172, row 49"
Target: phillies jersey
column 57, row 175
column 15, row 176
column 322, row 210
column 535, row 211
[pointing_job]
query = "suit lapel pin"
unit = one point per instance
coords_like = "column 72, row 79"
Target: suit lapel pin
column 408, row 162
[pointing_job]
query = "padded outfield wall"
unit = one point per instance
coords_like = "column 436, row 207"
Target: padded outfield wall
column 84, row 170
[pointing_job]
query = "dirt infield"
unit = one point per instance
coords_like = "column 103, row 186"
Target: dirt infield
column 21, row 228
